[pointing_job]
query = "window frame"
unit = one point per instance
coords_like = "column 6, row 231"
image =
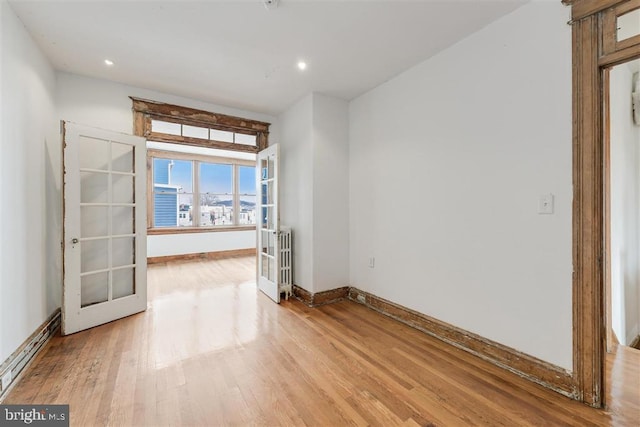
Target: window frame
column 144, row 111
column 197, row 159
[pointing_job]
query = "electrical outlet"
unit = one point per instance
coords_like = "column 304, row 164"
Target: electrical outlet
column 361, row 298
column 6, row 380
column 545, row 204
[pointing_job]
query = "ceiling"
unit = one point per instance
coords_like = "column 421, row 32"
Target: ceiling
column 239, row 54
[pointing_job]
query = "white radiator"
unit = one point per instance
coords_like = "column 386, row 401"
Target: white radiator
column 286, row 272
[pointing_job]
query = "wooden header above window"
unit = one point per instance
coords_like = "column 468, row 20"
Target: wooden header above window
column 205, row 129
column 583, row 8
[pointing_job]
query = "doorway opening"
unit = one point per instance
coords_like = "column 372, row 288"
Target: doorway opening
column 622, row 204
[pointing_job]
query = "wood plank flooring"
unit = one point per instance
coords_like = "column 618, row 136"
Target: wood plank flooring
column 212, row 351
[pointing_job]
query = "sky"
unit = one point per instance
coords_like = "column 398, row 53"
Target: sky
column 214, row 178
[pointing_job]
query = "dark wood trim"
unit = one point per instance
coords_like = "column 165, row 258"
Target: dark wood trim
column 529, row 367
column 320, row 298
column 588, row 214
column 303, row 295
column 21, row 358
column 190, row 230
column 619, row 57
column 330, row 296
column 145, row 110
column 635, row 343
column 582, row 8
column 609, row 25
column 161, row 109
column 203, row 255
column 595, row 48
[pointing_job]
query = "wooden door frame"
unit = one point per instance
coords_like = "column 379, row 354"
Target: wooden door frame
column 595, row 49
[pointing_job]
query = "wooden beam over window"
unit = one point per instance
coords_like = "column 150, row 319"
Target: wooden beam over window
column 146, row 111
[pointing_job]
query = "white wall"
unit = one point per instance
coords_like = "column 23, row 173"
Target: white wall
column 315, row 197
column 330, row 193
column 447, row 162
column 172, row 244
column 296, row 184
column 30, row 255
column 625, row 207
column 106, row 105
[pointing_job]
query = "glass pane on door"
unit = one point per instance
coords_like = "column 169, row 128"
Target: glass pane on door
column 94, row 221
column 94, row 255
column 123, row 251
column 123, row 282
column 94, row 288
column 122, row 157
column 94, row 153
column 122, row 220
column 94, row 187
column 122, row 189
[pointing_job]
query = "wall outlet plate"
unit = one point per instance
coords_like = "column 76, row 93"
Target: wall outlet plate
column 545, row 204
column 6, row 380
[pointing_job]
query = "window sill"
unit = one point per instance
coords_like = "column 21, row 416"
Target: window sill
column 187, row 230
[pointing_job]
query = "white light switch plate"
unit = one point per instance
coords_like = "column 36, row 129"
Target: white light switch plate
column 545, row 204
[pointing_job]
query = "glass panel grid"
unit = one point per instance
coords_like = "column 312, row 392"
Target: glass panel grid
column 102, row 217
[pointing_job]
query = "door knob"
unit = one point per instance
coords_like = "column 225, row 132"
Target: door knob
column 74, row 240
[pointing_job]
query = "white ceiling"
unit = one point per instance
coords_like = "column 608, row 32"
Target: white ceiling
column 239, row 54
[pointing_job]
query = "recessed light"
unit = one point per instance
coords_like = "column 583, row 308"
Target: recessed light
column 302, row 65
column 108, row 62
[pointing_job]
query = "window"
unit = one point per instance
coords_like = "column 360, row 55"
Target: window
column 210, row 134
column 198, row 191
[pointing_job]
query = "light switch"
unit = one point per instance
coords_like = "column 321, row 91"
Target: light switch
column 545, row 204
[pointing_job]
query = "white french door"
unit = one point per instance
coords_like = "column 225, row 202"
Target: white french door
column 269, row 224
column 104, row 232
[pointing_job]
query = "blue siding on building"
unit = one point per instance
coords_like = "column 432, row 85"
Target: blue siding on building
column 161, row 171
column 165, row 204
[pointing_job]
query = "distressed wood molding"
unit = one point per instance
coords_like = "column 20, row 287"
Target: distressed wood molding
column 189, row 230
column 203, row 255
column 588, row 207
column 170, row 111
column 583, row 8
column 144, row 111
column 320, row 298
column 529, row 367
column 20, row 359
column 595, row 49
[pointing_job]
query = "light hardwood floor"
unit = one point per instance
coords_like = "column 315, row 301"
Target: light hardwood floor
column 211, row 350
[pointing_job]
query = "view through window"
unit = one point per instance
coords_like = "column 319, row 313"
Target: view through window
column 201, row 165
column 202, row 191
